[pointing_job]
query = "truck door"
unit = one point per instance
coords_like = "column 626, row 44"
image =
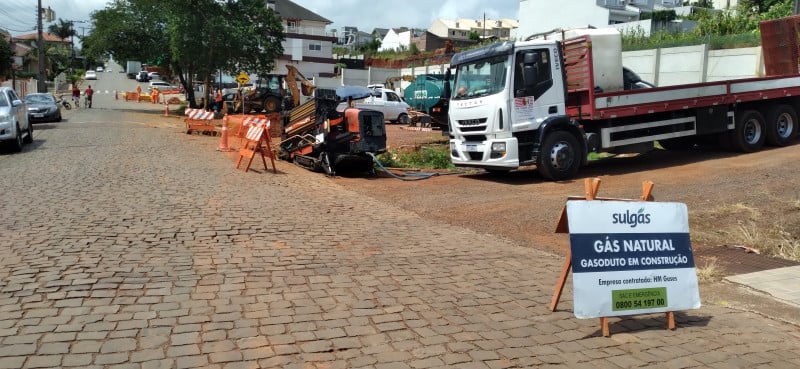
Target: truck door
column 538, row 88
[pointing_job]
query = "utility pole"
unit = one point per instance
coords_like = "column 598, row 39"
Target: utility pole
column 796, row 6
column 41, row 85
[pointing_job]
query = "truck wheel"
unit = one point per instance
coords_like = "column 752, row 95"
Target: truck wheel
column 271, row 104
column 748, row 134
column 781, row 125
column 559, row 158
column 402, row 119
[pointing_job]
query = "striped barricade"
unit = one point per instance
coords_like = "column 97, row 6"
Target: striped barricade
column 258, row 142
column 199, row 120
column 250, row 121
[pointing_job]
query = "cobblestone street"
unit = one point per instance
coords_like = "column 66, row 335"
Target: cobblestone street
column 129, row 244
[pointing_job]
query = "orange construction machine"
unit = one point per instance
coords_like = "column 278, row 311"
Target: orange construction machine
column 327, row 134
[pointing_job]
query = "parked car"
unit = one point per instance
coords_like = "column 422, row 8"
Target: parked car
column 90, row 74
column 386, row 101
column 153, row 75
column 142, row 76
column 161, row 86
column 632, row 81
column 43, row 107
column 15, row 129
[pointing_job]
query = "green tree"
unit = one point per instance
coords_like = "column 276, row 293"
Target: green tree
column 474, row 36
column 6, row 55
column 370, row 48
column 194, row 38
column 63, row 29
column 758, row 6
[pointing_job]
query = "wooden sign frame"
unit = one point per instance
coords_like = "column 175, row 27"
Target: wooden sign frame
column 591, row 186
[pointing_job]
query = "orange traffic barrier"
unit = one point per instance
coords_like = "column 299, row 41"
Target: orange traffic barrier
column 250, row 121
column 131, row 96
column 223, row 141
column 258, row 142
column 199, row 120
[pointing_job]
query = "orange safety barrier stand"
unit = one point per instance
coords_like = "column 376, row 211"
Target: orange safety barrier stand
column 131, row 96
column 250, row 121
column 199, row 120
column 258, row 141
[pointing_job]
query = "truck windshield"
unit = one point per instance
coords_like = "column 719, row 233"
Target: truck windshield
column 481, row 78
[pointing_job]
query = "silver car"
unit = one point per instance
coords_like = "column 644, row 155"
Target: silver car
column 15, row 130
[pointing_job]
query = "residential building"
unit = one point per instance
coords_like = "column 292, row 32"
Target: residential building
column 542, row 16
column 352, row 38
column 396, row 39
column 25, row 54
column 430, row 42
column 461, row 29
column 308, row 47
column 379, row 33
column 725, row 4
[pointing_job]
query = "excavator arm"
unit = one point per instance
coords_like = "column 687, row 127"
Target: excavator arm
column 391, row 80
column 291, row 80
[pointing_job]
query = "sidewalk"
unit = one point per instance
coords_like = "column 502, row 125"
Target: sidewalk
column 781, row 283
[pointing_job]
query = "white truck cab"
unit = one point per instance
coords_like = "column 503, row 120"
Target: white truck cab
column 502, row 94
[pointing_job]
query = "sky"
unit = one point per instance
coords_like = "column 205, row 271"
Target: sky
column 19, row 16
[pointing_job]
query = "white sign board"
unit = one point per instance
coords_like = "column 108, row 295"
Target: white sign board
column 631, row 258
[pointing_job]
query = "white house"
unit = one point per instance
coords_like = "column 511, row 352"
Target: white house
column 308, row 47
column 725, row 4
column 541, row 16
column 396, row 39
column 460, row 29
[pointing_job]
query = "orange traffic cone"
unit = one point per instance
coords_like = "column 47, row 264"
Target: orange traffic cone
column 223, row 142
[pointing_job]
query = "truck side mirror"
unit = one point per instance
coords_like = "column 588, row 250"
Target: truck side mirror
column 447, row 89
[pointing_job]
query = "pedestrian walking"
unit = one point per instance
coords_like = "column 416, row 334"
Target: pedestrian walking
column 218, row 100
column 76, row 96
column 89, row 93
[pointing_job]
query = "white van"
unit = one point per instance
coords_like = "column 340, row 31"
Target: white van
column 386, row 101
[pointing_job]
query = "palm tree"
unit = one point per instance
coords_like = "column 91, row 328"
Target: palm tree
column 63, row 29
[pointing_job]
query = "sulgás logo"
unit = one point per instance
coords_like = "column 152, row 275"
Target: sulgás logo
column 633, row 219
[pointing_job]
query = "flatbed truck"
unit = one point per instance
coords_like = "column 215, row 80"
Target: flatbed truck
column 549, row 103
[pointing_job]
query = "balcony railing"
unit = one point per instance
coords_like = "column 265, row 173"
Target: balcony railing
column 312, row 31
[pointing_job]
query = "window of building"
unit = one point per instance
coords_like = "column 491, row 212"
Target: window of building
column 291, row 25
column 314, row 47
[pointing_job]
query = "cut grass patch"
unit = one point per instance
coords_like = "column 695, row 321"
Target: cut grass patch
column 772, row 227
column 435, row 156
